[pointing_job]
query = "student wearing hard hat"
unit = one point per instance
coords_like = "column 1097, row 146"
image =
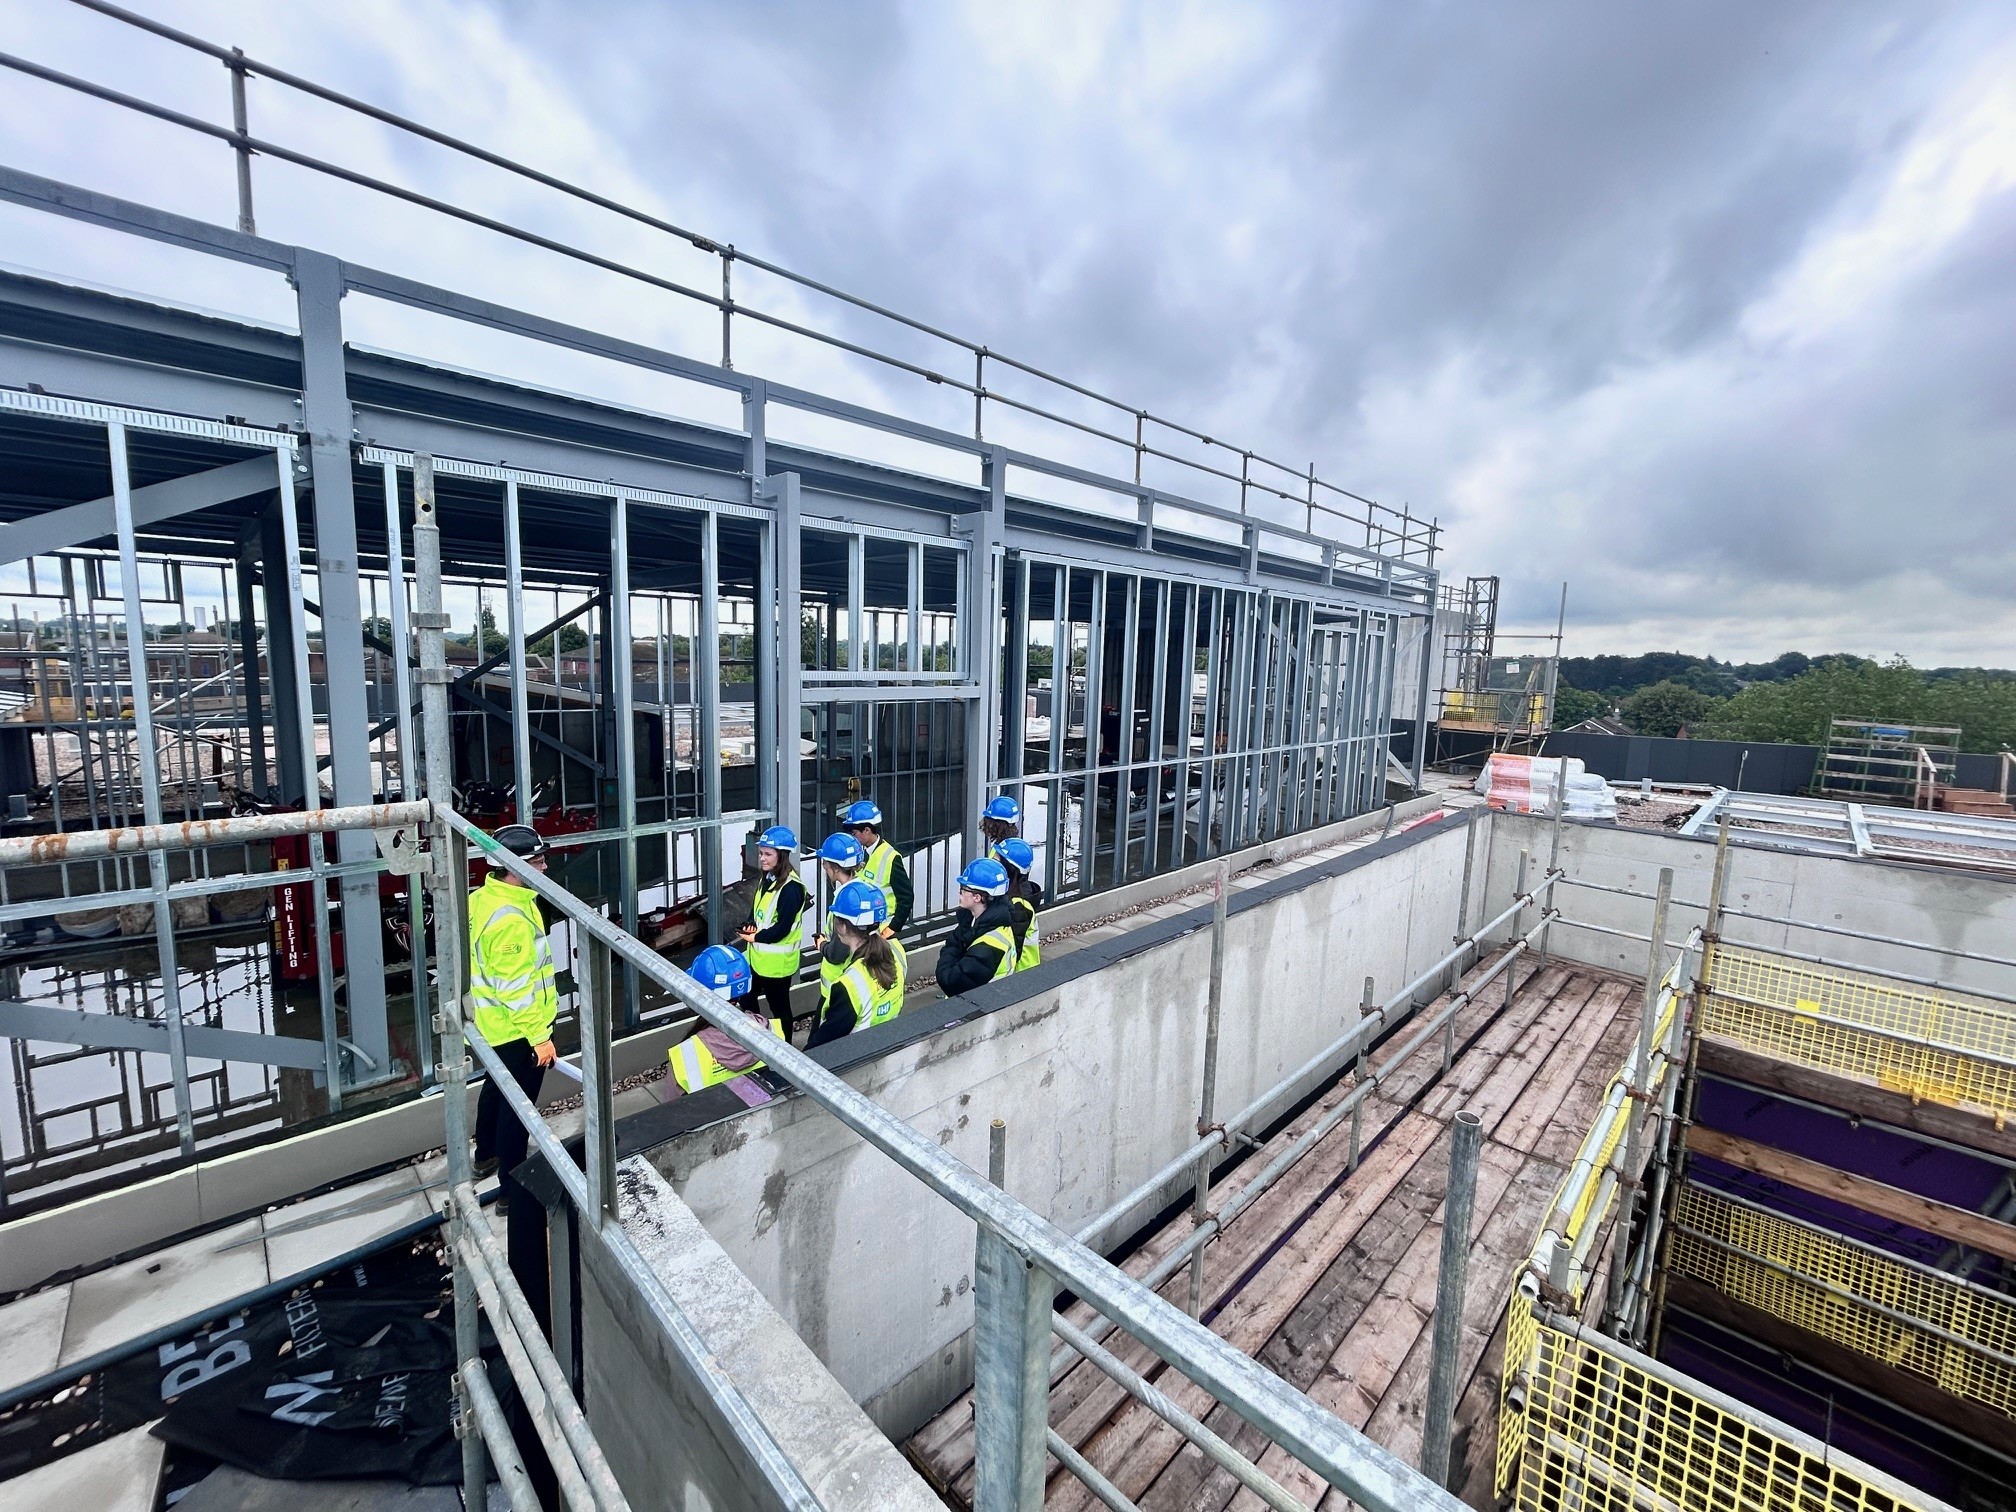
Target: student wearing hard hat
column 513, row 1001
column 1025, row 896
column 710, row 1057
column 883, row 864
column 774, row 937
column 840, row 858
column 1001, row 818
column 982, row 947
column 868, row 985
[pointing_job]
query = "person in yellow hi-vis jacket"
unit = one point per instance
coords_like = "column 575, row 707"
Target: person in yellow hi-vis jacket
column 513, row 1001
column 710, row 1057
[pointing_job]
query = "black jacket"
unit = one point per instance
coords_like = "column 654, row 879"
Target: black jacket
column 906, row 896
column 962, row 964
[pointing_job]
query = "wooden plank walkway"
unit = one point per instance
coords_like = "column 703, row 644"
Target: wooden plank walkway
column 1329, row 1279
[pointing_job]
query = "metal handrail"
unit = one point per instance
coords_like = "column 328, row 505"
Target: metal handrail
column 1412, row 536
column 1647, row 1063
column 1344, row 1457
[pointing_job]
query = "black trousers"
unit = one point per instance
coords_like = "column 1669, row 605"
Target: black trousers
column 775, row 992
column 498, row 1132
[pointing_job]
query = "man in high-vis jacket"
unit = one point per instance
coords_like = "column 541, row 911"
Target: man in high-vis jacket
column 884, row 864
column 512, row 997
column 710, row 1056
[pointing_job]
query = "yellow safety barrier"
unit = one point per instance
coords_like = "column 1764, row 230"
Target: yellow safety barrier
column 1585, row 1423
column 1958, row 1336
column 1507, row 709
column 1586, row 1427
column 1931, row 1045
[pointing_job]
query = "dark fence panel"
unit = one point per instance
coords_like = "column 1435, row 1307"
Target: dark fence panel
column 1764, row 767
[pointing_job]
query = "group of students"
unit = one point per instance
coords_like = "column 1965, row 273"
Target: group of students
column 863, row 967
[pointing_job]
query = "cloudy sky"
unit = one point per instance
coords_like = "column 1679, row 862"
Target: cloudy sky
column 1707, row 308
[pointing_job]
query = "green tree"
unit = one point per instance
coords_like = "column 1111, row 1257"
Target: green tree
column 571, row 638
column 1572, row 706
column 1801, row 708
column 1980, row 704
column 1666, row 708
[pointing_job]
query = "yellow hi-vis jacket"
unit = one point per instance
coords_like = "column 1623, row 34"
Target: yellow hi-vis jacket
column 873, row 1003
column 510, row 965
column 781, row 958
column 1032, row 944
column 878, row 868
column 694, row 1064
column 829, row 974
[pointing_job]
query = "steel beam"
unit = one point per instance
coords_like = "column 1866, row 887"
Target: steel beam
column 115, row 1031
column 79, row 524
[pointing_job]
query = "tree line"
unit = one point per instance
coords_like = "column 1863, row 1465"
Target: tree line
column 1790, row 699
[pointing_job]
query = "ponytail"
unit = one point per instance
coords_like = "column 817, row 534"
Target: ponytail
column 873, row 951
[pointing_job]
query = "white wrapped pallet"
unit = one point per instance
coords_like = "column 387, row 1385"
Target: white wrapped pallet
column 1526, row 785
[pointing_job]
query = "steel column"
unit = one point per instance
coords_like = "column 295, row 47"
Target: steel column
column 704, row 668
column 1466, row 1131
column 784, row 490
column 448, row 875
column 149, row 758
column 514, row 630
column 325, row 406
column 1012, row 1300
column 621, row 694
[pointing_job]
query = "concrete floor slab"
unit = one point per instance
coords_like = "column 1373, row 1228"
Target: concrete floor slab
column 31, row 1336
column 228, row 1489
column 124, row 1301
column 306, row 1234
column 123, row 1474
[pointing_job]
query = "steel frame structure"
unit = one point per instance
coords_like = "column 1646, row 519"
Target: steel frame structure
column 1232, row 676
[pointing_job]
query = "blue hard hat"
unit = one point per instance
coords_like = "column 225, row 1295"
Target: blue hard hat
column 1016, row 852
column 843, row 850
column 1004, row 808
column 864, row 812
column 724, row 969
column 985, row 876
column 861, row 904
column 779, row 837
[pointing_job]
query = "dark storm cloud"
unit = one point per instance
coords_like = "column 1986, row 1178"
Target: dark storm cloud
column 1704, row 307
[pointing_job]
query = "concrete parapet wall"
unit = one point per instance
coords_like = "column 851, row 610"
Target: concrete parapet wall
column 664, row 1435
column 1956, row 911
column 1094, row 1062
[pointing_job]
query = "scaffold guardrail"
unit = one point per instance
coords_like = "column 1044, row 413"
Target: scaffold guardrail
column 1585, row 1420
column 1932, row 1044
column 1956, row 1334
column 1592, row 1423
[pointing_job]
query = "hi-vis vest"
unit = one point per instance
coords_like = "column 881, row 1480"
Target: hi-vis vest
column 878, row 868
column 1032, row 945
column 1002, row 938
column 694, row 1065
column 873, row 1004
column 829, row 974
column 510, row 965
column 781, row 958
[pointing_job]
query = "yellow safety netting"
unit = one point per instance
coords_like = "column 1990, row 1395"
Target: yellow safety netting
column 1582, row 1427
column 1935, row 1046
column 1959, row 1337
